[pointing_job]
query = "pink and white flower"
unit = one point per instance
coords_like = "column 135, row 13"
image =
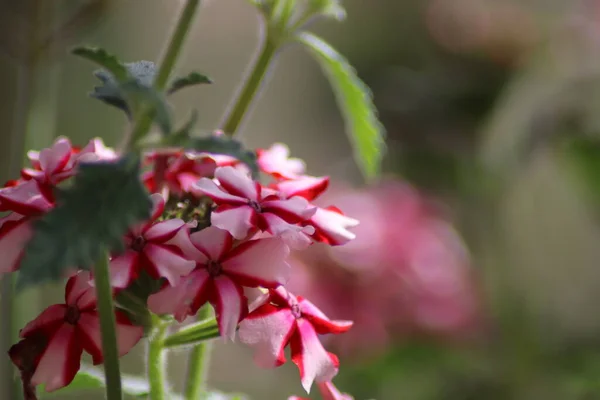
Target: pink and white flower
column 219, row 277
column 156, row 247
column 281, row 318
column 309, row 187
column 51, row 346
column 331, row 226
column 27, row 202
column 275, row 161
column 245, row 207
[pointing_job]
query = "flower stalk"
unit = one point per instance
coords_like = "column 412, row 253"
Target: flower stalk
column 108, row 330
column 169, row 59
column 198, row 362
column 156, row 363
column 250, row 87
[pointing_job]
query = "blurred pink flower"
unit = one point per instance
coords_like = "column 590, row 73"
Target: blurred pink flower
column 407, row 272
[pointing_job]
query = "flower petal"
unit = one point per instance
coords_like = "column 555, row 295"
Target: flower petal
column 181, row 300
column 308, row 187
column 207, row 187
column 259, row 263
column 79, row 292
column 230, row 305
column 55, row 158
column 128, row 334
column 238, row 183
column 124, row 269
column 48, row 321
column 268, row 329
column 313, row 361
column 14, row 235
column 295, row 236
column 60, row 361
column 330, row 392
column 183, row 242
column 275, row 161
column 166, row 263
column 331, row 226
column 164, row 230
column 25, row 198
column 320, row 321
column 294, row 210
column 236, row 220
column 213, row 242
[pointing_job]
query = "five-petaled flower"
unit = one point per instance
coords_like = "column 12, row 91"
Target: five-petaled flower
column 156, row 247
column 220, row 275
column 245, row 207
column 279, row 319
column 52, row 344
column 276, row 161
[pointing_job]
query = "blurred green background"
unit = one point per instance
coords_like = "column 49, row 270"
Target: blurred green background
column 490, row 108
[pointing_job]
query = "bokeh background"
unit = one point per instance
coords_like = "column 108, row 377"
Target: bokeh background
column 475, row 271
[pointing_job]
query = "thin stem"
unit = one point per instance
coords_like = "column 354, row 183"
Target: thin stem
column 169, row 59
column 198, row 362
column 250, row 88
column 108, row 329
column 156, row 363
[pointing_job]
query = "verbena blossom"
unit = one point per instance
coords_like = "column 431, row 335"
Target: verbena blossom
column 245, row 207
column 281, row 319
column 51, row 346
column 153, row 246
column 221, row 272
column 247, row 246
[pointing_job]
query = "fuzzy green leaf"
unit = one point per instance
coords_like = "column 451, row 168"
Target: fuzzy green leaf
column 192, row 79
column 355, row 102
column 90, row 216
column 106, row 60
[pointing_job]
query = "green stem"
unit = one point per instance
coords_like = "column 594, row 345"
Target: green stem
column 156, row 363
column 198, row 362
column 250, row 88
column 169, row 59
column 108, row 329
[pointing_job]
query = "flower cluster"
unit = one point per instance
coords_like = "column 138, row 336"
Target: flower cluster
column 214, row 232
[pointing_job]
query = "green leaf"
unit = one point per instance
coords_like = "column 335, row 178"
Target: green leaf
column 214, row 144
column 91, row 378
column 91, row 216
column 101, row 57
column 139, row 97
column 192, row 79
column 355, row 102
column 194, row 334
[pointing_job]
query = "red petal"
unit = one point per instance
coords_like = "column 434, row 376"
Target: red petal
column 275, row 161
column 47, row 322
column 212, row 242
column 258, row 263
column 238, row 183
column 124, row 269
column 164, row 230
column 294, row 210
column 268, row 329
column 330, row 392
column 80, row 292
column 166, row 263
column 54, row 159
column 313, row 361
column 236, row 220
column 14, row 235
column 319, row 320
column 25, row 198
column 308, row 187
column 60, row 361
column 331, row 226
column 206, row 187
column 230, row 305
column 183, row 299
